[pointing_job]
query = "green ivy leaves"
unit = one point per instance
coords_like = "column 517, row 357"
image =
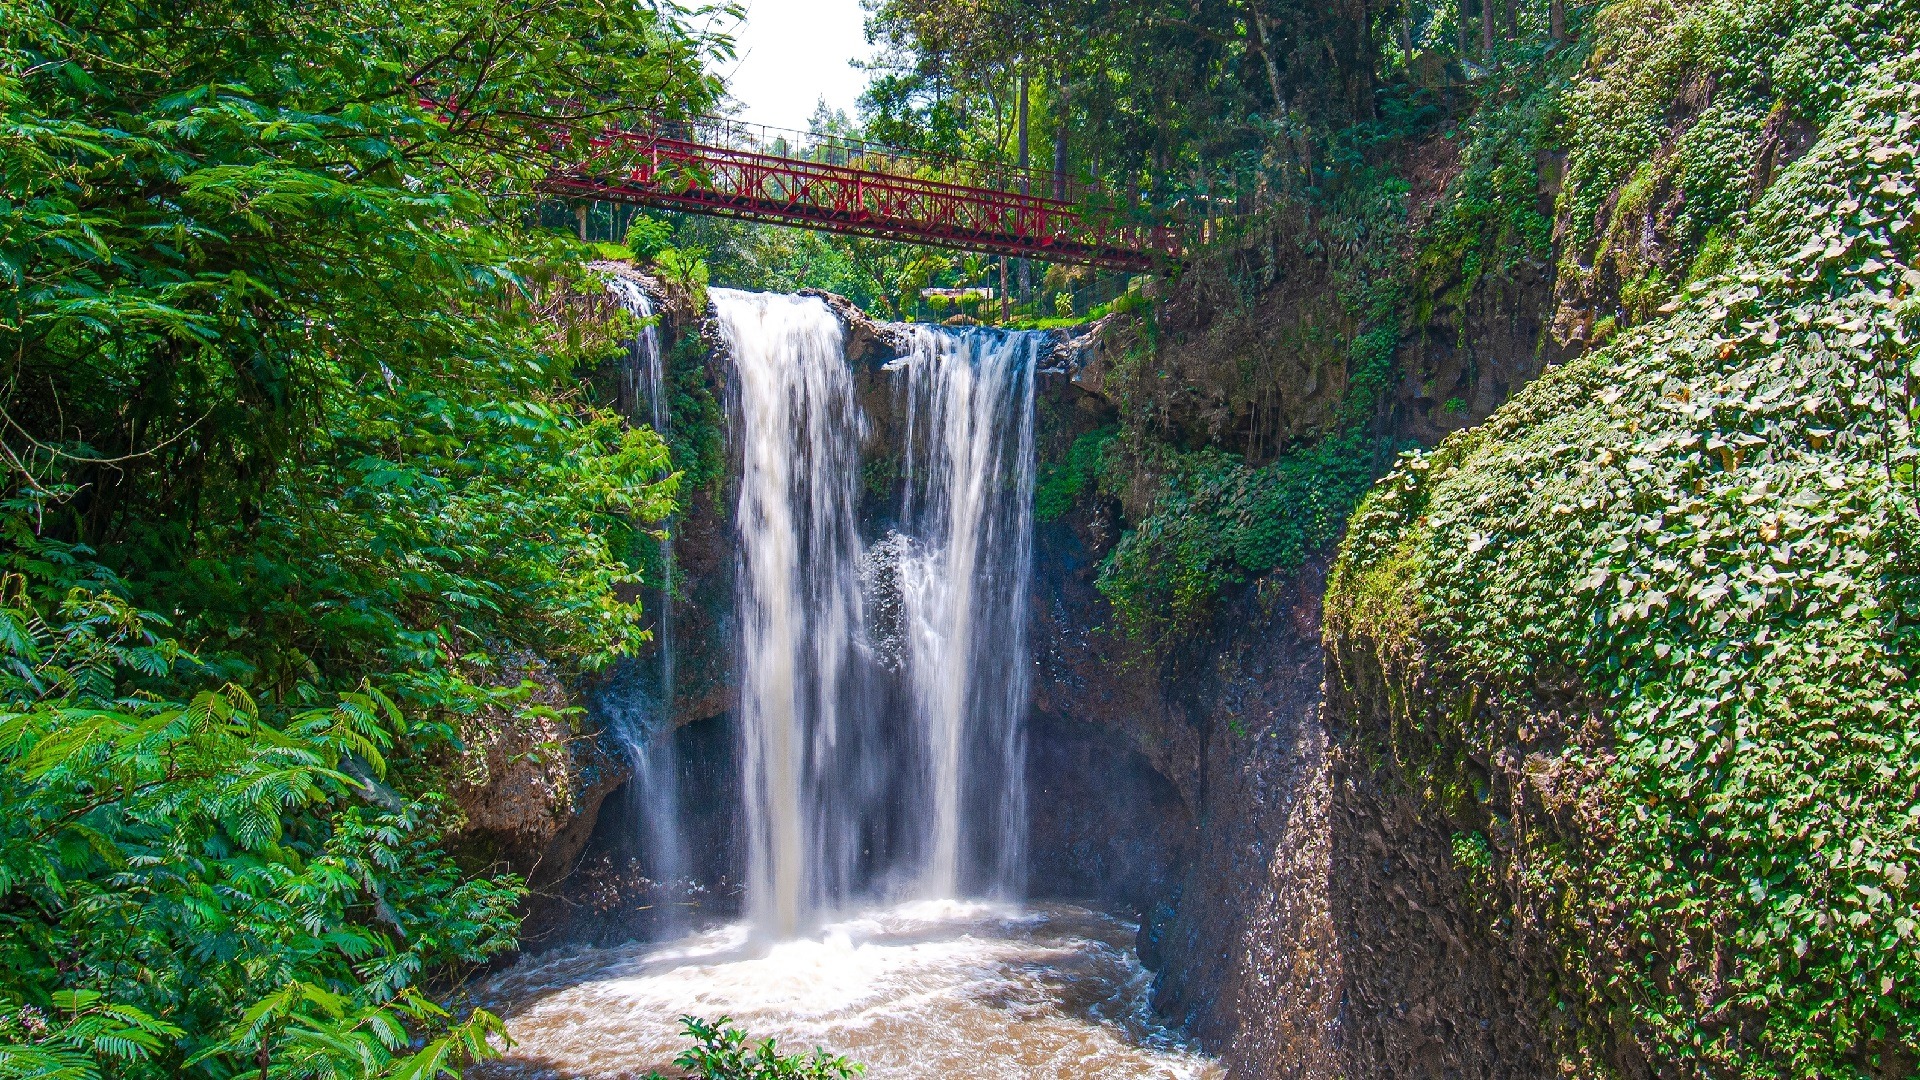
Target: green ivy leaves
column 1709, row 523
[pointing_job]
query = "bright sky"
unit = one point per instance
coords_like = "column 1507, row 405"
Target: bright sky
column 792, row 53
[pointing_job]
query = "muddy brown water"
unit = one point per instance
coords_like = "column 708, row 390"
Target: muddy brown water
column 937, row 990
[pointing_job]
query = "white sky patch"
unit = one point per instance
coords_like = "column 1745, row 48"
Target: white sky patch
column 789, row 54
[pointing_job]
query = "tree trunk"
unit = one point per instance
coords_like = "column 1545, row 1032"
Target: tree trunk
column 1026, row 187
column 580, row 214
column 1557, row 19
column 1266, row 54
column 1513, row 20
column 1061, row 113
column 1486, row 29
column 1021, row 114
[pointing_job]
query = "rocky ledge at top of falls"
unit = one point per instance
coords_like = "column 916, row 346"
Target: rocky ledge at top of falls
column 873, row 341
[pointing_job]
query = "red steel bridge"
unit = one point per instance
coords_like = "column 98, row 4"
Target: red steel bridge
column 760, row 174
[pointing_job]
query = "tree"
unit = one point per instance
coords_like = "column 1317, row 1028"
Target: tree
column 268, row 287
column 1178, row 99
column 285, row 360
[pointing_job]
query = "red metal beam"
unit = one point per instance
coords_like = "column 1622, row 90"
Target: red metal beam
column 655, row 169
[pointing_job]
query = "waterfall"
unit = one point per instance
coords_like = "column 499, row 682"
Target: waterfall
column 799, row 430
column 882, row 566
column 969, row 496
column 645, row 726
column 881, row 687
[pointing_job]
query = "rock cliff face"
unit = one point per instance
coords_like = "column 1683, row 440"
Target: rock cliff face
column 1300, row 902
column 529, row 785
column 1301, row 911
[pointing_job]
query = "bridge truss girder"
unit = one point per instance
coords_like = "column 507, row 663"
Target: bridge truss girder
column 680, row 174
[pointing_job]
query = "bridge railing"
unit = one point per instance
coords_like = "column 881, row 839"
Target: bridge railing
column 721, row 166
column 830, row 148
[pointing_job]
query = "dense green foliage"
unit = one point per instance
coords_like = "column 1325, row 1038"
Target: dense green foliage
column 1491, row 222
column 1745, row 75
column 721, row 1051
column 695, row 431
column 285, row 363
column 1188, row 100
column 1215, row 520
column 1280, row 118
column 1217, row 523
column 194, row 886
column 1059, row 484
column 272, row 316
column 1708, row 527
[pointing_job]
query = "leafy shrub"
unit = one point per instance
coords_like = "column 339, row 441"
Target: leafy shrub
column 1470, row 850
column 685, row 272
column 191, row 886
column 1060, row 484
column 1490, row 221
column 1218, row 523
column 723, row 1052
column 696, row 434
column 648, row 236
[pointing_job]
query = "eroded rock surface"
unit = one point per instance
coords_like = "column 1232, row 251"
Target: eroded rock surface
column 529, row 784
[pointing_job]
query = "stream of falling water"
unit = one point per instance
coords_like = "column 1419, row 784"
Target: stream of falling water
column 643, row 721
column 809, row 763
column 881, row 690
column 856, row 785
column 963, row 583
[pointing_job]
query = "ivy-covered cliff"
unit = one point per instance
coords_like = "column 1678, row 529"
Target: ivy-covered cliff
column 1643, row 643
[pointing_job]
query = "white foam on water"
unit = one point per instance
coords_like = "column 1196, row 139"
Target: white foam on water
column 934, row 990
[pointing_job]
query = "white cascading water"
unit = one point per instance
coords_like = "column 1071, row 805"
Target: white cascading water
column 963, row 584
column 844, row 794
column 798, row 428
column 644, row 722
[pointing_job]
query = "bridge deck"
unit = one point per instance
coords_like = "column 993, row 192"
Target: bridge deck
column 699, row 175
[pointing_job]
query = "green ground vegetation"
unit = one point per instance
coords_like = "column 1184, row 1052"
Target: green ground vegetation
column 721, row 1051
